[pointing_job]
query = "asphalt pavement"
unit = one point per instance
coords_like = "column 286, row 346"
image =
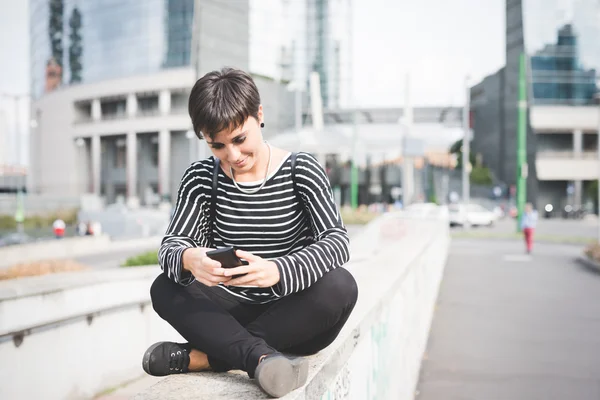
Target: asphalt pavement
column 556, row 228
column 509, row 326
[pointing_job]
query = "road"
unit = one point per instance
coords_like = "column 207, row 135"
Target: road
column 509, row 327
column 548, row 227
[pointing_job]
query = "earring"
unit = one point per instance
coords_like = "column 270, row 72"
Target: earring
column 262, row 124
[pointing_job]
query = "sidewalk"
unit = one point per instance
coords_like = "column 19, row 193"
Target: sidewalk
column 513, row 326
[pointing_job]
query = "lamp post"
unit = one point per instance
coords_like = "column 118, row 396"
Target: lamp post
column 598, row 166
column 19, row 212
column 466, row 153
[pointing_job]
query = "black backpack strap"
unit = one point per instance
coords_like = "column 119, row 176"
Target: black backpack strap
column 293, row 167
column 213, row 195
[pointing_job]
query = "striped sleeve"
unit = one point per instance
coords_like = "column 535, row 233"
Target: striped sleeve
column 301, row 269
column 190, row 222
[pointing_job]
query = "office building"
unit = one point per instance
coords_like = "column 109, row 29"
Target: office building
column 110, row 85
column 560, row 41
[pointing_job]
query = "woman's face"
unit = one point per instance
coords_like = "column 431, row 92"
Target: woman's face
column 240, row 148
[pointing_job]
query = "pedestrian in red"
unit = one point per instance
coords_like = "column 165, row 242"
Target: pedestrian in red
column 528, row 223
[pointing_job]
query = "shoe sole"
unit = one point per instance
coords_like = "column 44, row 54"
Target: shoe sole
column 278, row 376
column 146, row 359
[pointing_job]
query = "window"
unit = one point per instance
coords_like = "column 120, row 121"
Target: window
column 120, row 148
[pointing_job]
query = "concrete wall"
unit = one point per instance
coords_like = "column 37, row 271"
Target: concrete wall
column 565, row 118
column 398, row 262
column 73, row 335
column 69, row 248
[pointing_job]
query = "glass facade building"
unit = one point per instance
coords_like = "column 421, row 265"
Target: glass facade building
column 561, row 39
column 76, row 41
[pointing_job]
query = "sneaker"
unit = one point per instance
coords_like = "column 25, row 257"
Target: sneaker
column 278, row 375
column 165, row 358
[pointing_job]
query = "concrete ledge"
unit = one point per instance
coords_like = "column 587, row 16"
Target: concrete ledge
column 74, row 335
column 69, row 248
column 398, row 262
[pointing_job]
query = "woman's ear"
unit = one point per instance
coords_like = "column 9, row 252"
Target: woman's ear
column 261, row 115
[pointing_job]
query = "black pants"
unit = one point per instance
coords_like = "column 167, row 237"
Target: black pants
column 235, row 335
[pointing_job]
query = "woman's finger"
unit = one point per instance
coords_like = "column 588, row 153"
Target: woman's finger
column 244, row 269
column 247, row 255
column 248, row 279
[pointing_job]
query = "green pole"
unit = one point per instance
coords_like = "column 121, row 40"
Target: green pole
column 20, row 213
column 353, row 166
column 522, row 142
column 354, row 185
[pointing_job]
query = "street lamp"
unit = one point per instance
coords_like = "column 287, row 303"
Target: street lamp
column 19, row 212
column 597, row 97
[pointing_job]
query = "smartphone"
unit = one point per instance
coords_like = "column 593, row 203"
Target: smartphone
column 227, row 257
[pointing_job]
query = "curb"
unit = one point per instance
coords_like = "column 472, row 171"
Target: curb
column 569, row 241
column 588, row 263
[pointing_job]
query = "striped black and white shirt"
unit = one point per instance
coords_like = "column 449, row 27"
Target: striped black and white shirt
column 304, row 236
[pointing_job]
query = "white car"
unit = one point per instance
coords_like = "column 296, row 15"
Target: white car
column 474, row 214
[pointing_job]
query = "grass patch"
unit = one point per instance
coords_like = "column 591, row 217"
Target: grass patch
column 147, row 258
column 7, row 222
column 37, row 268
column 357, row 217
column 482, row 234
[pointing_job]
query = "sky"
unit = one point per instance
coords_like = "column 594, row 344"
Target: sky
column 438, row 43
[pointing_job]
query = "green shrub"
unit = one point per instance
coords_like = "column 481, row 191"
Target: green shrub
column 481, row 176
column 593, row 251
column 357, row 217
column 148, row 258
column 7, row 222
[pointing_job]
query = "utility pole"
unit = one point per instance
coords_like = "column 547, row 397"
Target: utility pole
column 19, row 212
column 522, row 168
column 408, row 170
column 466, row 151
column 598, row 147
column 354, row 105
column 354, row 162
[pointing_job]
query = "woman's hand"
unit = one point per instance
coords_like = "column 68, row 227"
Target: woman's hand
column 205, row 269
column 259, row 272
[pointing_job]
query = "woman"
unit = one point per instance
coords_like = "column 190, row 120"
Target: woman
column 292, row 297
column 528, row 223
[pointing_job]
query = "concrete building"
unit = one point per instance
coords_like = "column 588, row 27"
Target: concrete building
column 560, row 40
column 111, row 83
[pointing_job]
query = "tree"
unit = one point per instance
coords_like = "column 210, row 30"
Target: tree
column 480, row 175
column 456, row 148
column 55, row 30
column 592, row 192
column 75, row 48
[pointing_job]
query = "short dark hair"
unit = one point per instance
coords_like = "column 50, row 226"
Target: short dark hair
column 222, row 100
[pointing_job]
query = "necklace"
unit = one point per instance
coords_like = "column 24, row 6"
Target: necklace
column 252, row 191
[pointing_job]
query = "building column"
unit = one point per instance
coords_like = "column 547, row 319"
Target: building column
column 408, row 181
column 164, row 164
column 133, row 200
column 164, row 102
column 131, row 105
column 96, row 110
column 577, row 151
column 96, row 165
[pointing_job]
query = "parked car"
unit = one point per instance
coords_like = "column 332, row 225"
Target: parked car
column 474, row 214
column 15, row 238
